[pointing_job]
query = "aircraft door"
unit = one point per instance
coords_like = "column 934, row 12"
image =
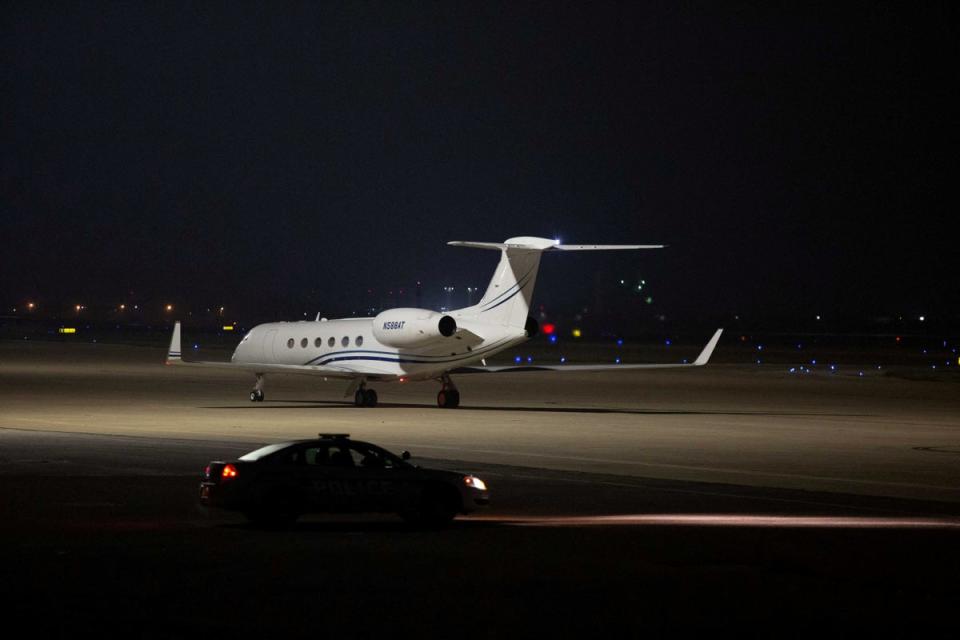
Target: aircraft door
column 268, row 346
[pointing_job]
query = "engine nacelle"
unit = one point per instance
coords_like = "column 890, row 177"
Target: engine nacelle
column 412, row 327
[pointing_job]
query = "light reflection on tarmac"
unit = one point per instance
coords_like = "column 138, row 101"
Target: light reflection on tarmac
column 723, row 520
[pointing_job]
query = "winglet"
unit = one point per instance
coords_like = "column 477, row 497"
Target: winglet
column 173, row 353
column 708, row 350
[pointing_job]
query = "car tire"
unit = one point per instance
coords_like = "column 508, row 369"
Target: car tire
column 275, row 509
column 438, row 506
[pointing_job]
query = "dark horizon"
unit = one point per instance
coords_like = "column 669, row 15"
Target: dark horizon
column 794, row 159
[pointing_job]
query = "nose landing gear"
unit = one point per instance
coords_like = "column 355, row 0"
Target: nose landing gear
column 257, row 394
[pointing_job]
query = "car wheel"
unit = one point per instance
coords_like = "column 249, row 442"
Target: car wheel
column 275, row 509
column 438, row 506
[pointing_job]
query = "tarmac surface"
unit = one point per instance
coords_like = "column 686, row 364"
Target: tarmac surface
column 727, row 498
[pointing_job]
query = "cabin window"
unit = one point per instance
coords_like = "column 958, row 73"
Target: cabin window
column 332, row 341
column 359, row 341
column 318, row 342
column 346, row 341
column 290, row 343
column 303, row 343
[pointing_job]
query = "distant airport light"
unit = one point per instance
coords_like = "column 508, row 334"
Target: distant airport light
column 548, row 328
column 922, row 318
column 576, row 333
column 818, row 317
column 228, row 327
column 562, row 359
column 123, row 307
column 667, row 342
column 169, row 307
column 68, row 329
column 30, row 306
column 517, row 359
column 553, row 339
column 529, row 358
column 617, row 360
column 619, row 342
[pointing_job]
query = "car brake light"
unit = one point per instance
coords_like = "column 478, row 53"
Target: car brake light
column 228, row 472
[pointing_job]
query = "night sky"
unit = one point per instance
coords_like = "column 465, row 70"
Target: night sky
column 290, row 156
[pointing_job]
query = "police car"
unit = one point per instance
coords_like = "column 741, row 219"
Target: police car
column 334, row 474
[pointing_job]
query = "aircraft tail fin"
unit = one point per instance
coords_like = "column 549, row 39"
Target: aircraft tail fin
column 174, row 353
column 507, row 298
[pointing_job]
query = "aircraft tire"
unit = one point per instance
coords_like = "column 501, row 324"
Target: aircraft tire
column 358, row 399
column 369, row 398
column 448, row 399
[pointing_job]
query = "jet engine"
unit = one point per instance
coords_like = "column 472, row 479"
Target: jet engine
column 412, row 327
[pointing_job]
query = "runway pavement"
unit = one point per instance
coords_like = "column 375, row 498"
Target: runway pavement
column 730, row 499
column 876, row 435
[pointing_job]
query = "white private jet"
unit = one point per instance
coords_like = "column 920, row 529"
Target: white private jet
column 417, row 344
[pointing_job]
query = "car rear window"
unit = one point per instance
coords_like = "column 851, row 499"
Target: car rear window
column 255, row 455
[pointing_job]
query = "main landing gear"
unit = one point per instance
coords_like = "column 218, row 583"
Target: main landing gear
column 365, row 397
column 449, row 395
column 257, row 394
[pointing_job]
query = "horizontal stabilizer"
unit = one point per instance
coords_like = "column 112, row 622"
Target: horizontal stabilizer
column 529, row 243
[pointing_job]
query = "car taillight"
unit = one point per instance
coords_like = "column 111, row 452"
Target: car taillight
column 228, row 472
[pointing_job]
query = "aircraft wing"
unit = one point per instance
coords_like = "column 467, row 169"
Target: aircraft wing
column 701, row 360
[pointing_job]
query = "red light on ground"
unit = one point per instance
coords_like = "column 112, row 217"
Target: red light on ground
column 229, row 471
column 548, row 328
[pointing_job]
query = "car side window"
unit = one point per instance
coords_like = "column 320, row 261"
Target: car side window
column 317, row 456
column 340, row 456
column 370, row 458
